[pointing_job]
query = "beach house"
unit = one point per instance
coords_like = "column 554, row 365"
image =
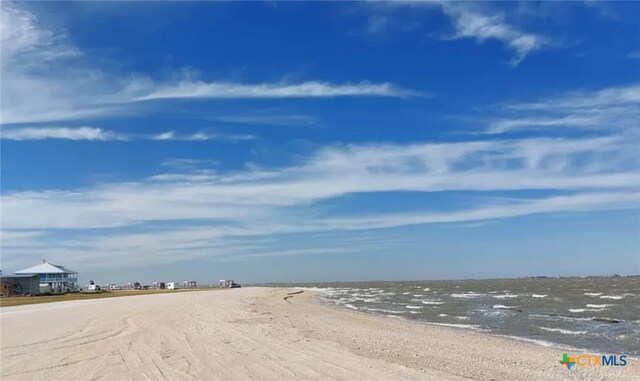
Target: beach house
column 58, row 277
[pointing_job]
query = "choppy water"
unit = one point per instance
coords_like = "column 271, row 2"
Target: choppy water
column 547, row 311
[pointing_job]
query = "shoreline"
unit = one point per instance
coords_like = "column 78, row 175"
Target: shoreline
column 525, row 317
column 462, row 328
column 260, row 333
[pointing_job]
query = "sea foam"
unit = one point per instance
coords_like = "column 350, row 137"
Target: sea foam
column 431, row 302
column 506, row 296
column 468, row 295
column 564, row 331
column 503, row 307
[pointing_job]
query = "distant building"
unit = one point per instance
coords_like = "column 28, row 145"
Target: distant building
column 158, row 285
column 228, row 283
column 59, row 278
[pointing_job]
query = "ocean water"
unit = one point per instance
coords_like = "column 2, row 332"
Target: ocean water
column 571, row 313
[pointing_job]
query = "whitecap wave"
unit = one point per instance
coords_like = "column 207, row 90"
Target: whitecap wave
column 468, row 295
column 506, row 296
column 466, row 326
column 365, row 295
column 432, row 302
column 578, row 310
column 383, row 310
column 564, row 331
column 503, row 307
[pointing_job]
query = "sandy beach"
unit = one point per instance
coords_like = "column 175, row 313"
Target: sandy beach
column 255, row 333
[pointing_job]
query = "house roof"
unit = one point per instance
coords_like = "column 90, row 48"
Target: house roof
column 45, row 268
column 26, row 276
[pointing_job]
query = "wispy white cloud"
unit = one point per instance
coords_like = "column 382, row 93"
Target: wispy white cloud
column 22, row 40
column 99, row 134
column 46, row 78
column 470, row 21
column 222, row 215
column 285, row 253
column 65, row 133
column 187, row 163
column 311, row 89
column 607, row 97
column 573, row 203
column 606, row 163
column 507, row 125
column 200, row 136
column 162, row 247
column 268, row 119
column 193, row 176
column 609, row 109
column 168, row 135
column 212, row 211
column 473, row 20
column 18, row 238
column 233, row 242
column 634, row 54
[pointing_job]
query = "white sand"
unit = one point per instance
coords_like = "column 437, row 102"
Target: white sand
column 252, row 333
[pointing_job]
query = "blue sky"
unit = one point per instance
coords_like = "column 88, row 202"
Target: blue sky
column 321, row 141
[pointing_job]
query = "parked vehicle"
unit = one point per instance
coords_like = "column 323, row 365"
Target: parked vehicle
column 45, row 289
column 92, row 286
column 228, row 283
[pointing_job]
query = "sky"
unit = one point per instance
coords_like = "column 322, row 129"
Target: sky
column 291, row 142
